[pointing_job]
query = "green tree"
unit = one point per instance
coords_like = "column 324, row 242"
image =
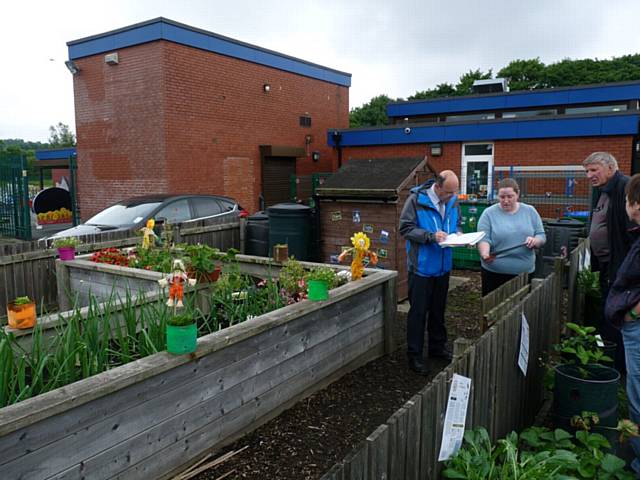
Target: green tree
column 463, row 87
column 525, row 74
column 371, row 114
column 441, row 90
column 61, row 135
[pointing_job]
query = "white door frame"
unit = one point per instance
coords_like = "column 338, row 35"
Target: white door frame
column 477, row 158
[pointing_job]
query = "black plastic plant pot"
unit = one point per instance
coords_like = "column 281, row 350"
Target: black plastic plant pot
column 591, row 388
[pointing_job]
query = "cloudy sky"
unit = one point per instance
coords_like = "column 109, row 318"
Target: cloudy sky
column 396, row 47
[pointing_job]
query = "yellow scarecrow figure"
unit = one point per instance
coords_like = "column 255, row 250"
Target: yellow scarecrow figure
column 148, row 233
column 360, row 250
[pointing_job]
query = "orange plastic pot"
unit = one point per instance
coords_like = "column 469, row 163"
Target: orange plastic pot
column 21, row 316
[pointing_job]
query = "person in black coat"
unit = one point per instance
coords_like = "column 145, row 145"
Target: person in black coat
column 609, row 233
column 622, row 309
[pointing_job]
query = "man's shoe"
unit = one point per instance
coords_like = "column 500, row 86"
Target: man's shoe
column 418, row 366
column 442, row 352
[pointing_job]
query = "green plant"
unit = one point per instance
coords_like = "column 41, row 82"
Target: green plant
column 589, row 283
column 66, row 242
column 534, row 454
column 180, row 320
column 22, row 300
column 581, row 346
column 291, row 277
column 326, row 274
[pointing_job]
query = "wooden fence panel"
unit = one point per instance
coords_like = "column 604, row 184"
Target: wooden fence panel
column 502, row 398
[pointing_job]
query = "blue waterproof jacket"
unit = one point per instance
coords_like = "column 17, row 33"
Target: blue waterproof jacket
column 419, row 221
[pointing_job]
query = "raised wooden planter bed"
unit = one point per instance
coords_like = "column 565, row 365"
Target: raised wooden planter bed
column 147, row 419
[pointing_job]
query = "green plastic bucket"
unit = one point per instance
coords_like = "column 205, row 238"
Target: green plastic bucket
column 318, row 290
column 182, row 339
column 573, row 394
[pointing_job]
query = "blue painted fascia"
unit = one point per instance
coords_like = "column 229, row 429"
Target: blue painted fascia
column 584, row 126
column 527, row 99
column 55, row 154
column 164, row 29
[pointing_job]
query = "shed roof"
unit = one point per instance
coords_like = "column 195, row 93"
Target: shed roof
column 370, row 178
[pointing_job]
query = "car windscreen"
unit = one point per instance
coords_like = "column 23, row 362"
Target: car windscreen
column 121, row 215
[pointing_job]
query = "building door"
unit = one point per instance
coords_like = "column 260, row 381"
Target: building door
column 477, row 169
column 276, row 179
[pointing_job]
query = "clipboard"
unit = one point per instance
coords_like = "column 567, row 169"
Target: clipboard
column 505, row 250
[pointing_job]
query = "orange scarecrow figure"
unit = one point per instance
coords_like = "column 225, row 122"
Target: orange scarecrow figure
column 148, row 233
column 176, row 280
column 360, row 250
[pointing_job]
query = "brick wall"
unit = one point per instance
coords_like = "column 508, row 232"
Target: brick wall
column 171, row 118
column 561, row 151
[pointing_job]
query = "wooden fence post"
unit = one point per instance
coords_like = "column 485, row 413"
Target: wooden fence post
column 64, row 286
column 390, row 311
column 243, row 235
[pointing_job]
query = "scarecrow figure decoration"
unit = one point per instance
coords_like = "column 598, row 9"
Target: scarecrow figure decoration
column 360, row 250
column 148, row 234
column 176, row 280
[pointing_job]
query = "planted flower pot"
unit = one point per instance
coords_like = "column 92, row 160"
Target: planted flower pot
column 67, row 253
column 214, row 275
column 590, row 388
column 21, row 314
column 318, row 290
column 182, row 335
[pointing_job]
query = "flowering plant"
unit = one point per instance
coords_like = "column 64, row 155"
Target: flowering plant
column 65, row 242
column 111, row 256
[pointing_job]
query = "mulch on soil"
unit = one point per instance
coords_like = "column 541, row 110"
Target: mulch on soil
column 305, row 441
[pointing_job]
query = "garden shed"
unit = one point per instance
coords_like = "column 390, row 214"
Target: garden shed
column 367, row 195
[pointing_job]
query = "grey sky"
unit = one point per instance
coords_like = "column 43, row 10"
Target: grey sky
column 393, row 47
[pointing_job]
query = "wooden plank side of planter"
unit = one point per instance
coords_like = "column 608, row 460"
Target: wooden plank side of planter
column 428, row 431
column 241, row 419
column 414, row 416
column 377, row 453
column 103, row 433
column 355, row 464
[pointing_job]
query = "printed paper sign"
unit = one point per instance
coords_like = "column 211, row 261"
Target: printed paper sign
column 599, row 341
column 523, row 357
column 455, row 417
column 366, row 228
column 587, row 260
column 356, row 216
column 334, row 259
column 384, row 236
column 336, row 216
column 382, row 252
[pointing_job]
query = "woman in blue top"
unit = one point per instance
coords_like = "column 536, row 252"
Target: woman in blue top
column 513, row 229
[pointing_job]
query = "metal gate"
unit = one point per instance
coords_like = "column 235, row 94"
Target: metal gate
column 15, row 217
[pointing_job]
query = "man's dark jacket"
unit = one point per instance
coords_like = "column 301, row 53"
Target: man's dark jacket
column 618, row 225
column 625, row 291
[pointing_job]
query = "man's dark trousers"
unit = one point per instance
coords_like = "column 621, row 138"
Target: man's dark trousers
column 426, row 295
column 607, row 330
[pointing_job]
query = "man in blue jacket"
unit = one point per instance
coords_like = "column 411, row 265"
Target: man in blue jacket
column 430, row 213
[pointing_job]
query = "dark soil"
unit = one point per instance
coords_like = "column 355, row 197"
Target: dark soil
column 305, row 441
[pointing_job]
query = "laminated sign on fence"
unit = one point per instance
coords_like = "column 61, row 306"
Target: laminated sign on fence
column 523, row 356
column 455, row 418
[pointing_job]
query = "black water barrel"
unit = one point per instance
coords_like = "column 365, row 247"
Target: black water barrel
column 563, row 233
column 257, row 235
column 290, row 223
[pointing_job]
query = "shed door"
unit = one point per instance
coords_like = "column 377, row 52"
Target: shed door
column 276, row 179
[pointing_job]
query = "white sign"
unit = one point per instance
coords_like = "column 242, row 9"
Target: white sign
column 587, row 260
column 599, row 341
column 455, row 418
column 523, row 357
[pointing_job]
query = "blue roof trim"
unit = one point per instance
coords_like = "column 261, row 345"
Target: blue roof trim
column 528, row 99
column 163, row 29
column 626, row 124
column 57, row 154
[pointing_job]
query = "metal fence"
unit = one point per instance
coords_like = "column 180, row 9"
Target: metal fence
column 15, row 219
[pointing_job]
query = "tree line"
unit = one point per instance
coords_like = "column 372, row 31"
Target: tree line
column 522, row 74
column 60, row 136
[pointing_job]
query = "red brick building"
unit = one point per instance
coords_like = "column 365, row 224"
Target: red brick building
column 162, row 107
column 540, row 137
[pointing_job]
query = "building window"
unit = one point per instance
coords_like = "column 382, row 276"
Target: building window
column 595, row 109
column 305, row 121
column 470, row 117
column 530, row 113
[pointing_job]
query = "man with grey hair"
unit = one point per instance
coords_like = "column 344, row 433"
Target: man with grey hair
column 609, row 234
